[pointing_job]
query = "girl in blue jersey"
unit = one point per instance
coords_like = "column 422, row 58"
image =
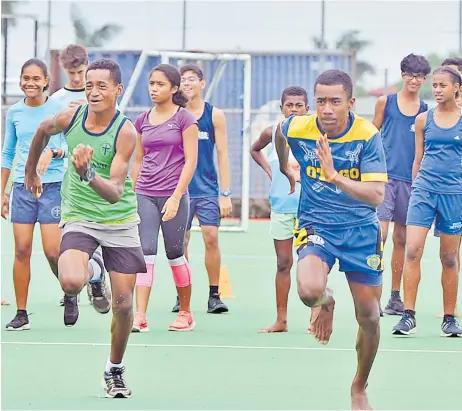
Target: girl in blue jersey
column 23, row 210
column 436, row 195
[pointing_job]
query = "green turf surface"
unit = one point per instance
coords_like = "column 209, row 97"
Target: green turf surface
column 224, row 363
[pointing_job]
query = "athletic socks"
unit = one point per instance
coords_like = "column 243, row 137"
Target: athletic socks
column 213, row 291
column 95, row 271
column 110, row 365
column 395, row 294
column 147, row 279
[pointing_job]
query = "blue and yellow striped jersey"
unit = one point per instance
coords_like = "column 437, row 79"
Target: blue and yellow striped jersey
column 357, row 153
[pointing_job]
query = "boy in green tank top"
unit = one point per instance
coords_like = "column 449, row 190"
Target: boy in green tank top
column 99, row 206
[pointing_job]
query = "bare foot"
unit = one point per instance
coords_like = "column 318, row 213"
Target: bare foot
column 314, row 314
column 277, row 327
column 359, row 400
column 321, row 322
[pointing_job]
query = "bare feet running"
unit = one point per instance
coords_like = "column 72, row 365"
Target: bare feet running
column 322, row 319
column 277, row 327
column 359, row 399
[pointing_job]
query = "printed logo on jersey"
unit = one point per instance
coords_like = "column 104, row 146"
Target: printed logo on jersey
column 412, row 128
column 315, row 239
column 105, row 149
column 374, row 261
column 203, row 135
column 316, row 173
column 56, row 212
column 456, row 226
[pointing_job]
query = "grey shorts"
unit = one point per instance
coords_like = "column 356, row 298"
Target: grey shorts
column 120, row 244
column 394, row 206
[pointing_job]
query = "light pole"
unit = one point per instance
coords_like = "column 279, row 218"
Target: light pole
column 183, row 43
column 460, row 28
column 322, row 62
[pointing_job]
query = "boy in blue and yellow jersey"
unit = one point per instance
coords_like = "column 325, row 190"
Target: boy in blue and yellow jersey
column 395, row 115
column 343, row 176
column 284, row 207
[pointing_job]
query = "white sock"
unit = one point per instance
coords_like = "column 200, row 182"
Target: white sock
column 95, row 271
column 110, row 365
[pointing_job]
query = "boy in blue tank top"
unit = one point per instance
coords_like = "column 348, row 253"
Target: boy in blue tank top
column 343, row 181
column 395, row 115
column 207, row 201
column 436, row 196
column 284, row 206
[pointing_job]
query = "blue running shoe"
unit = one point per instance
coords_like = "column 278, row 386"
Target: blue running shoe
column 450, row 327
column 407, row 325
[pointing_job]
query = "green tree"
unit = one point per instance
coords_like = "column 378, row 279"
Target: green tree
column 92, row 38
column 350, row 42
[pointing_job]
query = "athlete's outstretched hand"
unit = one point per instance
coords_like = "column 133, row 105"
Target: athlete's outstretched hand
column 170, row 209
column 324, row 156
column 81, row 158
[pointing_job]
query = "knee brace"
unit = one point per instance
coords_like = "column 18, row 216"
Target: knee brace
column 181, row 271
column 146, row 279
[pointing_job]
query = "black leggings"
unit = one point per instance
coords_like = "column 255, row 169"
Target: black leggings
column 174, row 230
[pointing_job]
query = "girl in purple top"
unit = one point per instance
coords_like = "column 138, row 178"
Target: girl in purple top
column 165, row 162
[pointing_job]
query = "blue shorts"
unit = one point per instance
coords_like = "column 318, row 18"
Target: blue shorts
column 25, row 209
column 359, row 251
column 445, row 209
column 207, row 210
column 396, row 202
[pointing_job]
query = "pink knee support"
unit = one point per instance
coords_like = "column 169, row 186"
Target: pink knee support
column 181, row 272
column 147, row 279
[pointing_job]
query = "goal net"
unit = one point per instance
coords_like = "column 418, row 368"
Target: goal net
column 228, row 87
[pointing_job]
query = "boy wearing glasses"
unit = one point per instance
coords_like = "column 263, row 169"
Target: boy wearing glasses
column 395, row 115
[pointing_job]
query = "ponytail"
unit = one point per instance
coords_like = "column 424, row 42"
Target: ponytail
column 180, row 99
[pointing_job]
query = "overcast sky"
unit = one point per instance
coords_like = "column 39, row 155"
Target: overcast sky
column 395, row 28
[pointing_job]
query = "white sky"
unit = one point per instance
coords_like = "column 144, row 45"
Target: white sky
column 396, row 28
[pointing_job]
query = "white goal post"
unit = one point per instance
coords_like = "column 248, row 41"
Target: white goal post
column 223, row 59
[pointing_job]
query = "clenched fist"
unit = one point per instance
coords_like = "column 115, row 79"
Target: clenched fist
column 81, row 158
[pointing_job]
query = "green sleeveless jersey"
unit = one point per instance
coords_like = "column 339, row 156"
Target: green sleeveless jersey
column 79, row 201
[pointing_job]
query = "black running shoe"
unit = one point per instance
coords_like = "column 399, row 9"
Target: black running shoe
column 216, row 306
column 450, row 327
column 114, row 384
column 176, row 307
column 71, row 310
column 20, row 322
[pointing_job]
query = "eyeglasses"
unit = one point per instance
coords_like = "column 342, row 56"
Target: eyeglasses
column 412, row 76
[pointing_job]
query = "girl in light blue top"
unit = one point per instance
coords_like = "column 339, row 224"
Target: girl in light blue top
column 23, row 210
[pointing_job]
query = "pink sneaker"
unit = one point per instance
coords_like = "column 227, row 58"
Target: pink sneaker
column 184, row 322
column 140, row 323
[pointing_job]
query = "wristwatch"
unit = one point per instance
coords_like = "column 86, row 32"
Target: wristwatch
column 225, row 193
column 54, row 152
column 89, row 176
